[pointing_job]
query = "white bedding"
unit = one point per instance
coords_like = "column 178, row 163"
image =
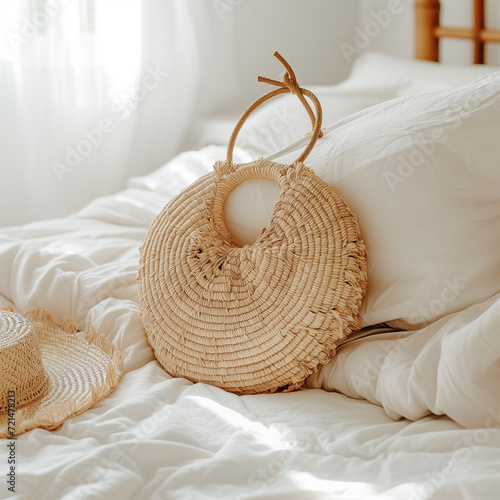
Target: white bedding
column 161, row 438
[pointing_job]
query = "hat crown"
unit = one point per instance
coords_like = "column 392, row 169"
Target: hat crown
column 23, row 378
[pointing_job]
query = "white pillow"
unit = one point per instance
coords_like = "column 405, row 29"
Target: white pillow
column 283, row 120
column 422, row 173
column 381, row 68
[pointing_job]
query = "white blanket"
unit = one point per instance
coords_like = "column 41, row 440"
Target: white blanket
column 161, row 438
column 451, row 367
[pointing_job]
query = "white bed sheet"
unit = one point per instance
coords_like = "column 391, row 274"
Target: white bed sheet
column 157, row 437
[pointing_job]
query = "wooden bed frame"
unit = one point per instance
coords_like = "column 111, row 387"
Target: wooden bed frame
column 429, row 32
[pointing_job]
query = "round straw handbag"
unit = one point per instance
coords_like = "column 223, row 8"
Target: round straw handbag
column 263, row 317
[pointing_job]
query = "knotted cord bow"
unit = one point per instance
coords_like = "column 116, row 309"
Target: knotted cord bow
column 290, row 82
column 288, row 85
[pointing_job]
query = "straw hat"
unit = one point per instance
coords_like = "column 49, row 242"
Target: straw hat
column 49, row 374
column 262, row 317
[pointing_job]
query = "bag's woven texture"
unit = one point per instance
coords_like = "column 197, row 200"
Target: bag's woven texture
column 262, row 317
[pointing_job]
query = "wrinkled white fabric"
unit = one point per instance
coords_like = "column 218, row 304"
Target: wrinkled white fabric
column 161, row 438
column 450, row 367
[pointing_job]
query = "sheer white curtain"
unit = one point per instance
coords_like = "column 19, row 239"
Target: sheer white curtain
column 94, row 91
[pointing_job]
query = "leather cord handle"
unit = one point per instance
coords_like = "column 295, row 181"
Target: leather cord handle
column 288, row 85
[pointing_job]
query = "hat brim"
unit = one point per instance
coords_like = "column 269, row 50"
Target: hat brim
column 82, row 372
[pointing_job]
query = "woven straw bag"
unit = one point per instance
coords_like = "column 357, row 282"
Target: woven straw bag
column 263, row 317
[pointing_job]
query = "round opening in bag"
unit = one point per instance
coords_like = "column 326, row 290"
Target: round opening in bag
column 248, row 209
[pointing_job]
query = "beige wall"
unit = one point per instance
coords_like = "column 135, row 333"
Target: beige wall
column 306, row 32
